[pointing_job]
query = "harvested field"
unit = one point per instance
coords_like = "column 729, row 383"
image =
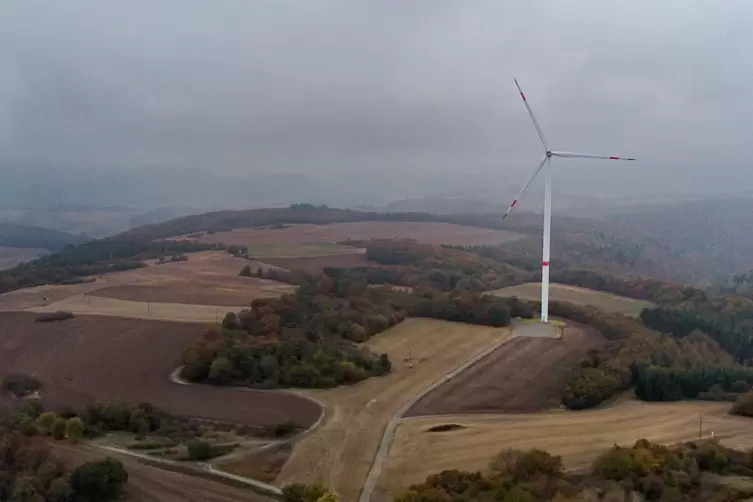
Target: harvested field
column 525, row 374
column 171, row 312
column 580, row 296
column 147, row 483
column 296, row 250
column 99, row 358
column 201, row 293
column 577, row 436
column 315, row 264
column 341, row 450
column 206, row 281
column 426, row 232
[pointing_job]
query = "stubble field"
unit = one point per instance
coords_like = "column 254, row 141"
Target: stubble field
column 580, row 296
column 201, row 289
column 579, row 437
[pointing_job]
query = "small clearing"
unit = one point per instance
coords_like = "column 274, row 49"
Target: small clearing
column 578, row 296
column 341, row 450
column 103, row 358
column 308, row 234
column 579, row 437
column 525, row 374
column 147, row 483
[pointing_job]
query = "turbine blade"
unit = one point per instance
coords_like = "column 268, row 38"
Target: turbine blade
column 533, row 117
column 515, row 200
column 573, row 155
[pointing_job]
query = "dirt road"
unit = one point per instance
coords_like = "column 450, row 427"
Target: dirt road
column 340, row 452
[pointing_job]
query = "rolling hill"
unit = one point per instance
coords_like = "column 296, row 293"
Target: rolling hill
column 28, row 236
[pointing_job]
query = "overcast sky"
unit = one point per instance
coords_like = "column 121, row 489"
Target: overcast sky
column 419, row 89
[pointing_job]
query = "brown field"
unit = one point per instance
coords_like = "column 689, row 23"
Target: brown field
column 577, row 436
column 580, row 296
column 525, row 374
column 341, row 450
column 100, row 358
column 158, row 311
column 147, row 483
column 315, row 264
column 10, row 257
column 202, row 293
column 426, row 232
column 191, row 291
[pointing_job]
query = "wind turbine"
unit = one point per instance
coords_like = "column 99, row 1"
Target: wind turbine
column 548, row 154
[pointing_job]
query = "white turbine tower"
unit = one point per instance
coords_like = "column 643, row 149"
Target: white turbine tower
column 548, row 154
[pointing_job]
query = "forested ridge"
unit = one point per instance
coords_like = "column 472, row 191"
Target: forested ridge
column 16, row 235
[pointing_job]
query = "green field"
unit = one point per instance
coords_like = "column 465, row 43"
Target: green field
column 579, row 296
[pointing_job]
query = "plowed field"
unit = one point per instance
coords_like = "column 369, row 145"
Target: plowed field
column 98, row 358
column 525, row 374
column 152, row 484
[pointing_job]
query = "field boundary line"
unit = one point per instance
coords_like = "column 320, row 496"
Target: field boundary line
column 259, row 486
column 176, row 379
column 389, row 430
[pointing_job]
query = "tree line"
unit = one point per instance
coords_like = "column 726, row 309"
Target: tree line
column 308, row 339
column 644, row 471
column 73, row 263
column 29, row 471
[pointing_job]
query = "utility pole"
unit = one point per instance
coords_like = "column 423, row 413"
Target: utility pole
column 410, row 358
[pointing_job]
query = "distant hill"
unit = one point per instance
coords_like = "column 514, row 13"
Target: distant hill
column 296, row 213
column 703, row 242
column 26, row 236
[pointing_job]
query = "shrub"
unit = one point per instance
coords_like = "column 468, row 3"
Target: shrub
column 74, row 429
column 744, row 405
column 21, row 385
column 45, row 422
column 60, row 315
column 98, row 481
column 58, row 428
column 246, row 272
column 298, row 492
column 284, row 429
column 199, row 450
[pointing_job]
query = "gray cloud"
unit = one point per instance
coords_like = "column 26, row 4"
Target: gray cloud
column 415, row 89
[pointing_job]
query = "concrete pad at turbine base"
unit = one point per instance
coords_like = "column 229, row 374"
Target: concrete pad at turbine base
column 537, row 329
